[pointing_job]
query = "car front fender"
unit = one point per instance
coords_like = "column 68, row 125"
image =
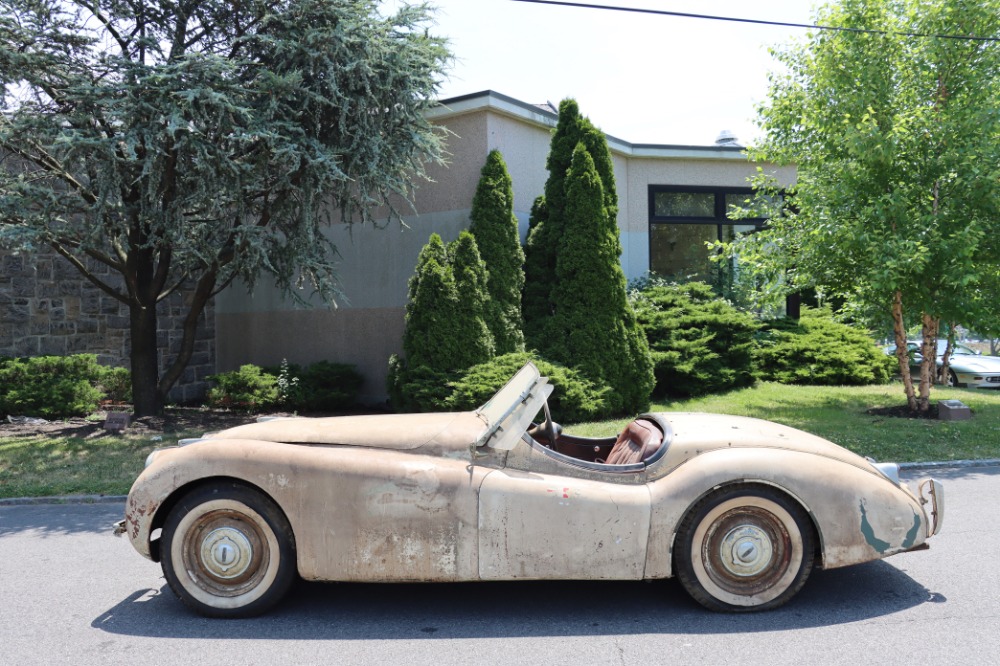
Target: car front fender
column 859, row 515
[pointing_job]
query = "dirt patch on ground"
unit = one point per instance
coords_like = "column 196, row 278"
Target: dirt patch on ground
column 904, row 412
column 174, row 420
column 192, row 420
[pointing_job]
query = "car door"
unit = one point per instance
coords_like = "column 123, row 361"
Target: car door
column 544, row 526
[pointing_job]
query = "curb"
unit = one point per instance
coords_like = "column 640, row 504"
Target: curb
column 63, row 499
column 114, row 499
column 950, row 464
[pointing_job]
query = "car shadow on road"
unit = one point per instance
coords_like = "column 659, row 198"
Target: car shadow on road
column 352, row 611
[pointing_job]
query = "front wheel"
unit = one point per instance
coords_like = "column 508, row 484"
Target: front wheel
column 228, row 551
column 744, row 549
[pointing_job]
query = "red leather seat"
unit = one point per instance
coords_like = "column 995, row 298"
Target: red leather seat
column 638, row 442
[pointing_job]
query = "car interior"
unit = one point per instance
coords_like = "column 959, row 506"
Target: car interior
column 642, row 442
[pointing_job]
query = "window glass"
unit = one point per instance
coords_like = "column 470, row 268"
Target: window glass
column 684, row 204
column 679, row 250
column 762, row 206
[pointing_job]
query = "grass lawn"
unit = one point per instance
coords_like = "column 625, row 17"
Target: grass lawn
column 44, row 465
column 40, row 465
column 839, row 413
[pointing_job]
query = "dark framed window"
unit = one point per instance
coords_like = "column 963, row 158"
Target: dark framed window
column 683, row 219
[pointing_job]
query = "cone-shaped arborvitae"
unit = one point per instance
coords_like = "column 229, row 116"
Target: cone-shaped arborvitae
column 549, row 214
column 593, row 327
column 495, row 229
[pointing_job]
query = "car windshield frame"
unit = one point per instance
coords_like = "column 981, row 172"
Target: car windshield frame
column 510, row 411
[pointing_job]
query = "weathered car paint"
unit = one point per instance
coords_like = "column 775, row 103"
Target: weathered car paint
column 540, row 526
column 442, row 433
column 411, row 498
column 833, row 495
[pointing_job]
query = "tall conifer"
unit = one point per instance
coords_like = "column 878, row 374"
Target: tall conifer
column 593, row 327
column 495, row 229
column 549, row 213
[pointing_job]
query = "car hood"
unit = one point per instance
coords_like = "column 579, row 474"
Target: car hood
column 432, row 432
column 966, row 363
column 695, row 434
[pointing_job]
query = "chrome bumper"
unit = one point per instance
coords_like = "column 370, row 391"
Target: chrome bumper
column 932, row 493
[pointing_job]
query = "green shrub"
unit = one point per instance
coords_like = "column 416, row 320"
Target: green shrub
column 445, row 329
column 324, row 386
column 418, row 388
column 819, row 350
column 700, row 343
column 116, row 385
column 495, row 227
column 575, row 398
column 50, row 387
column 593, row 327
column 249, row 389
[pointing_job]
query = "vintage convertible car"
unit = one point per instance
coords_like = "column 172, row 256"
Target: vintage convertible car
column 739, row 509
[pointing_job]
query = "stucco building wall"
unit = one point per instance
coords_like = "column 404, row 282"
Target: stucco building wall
column 366, row 327
column 45, row 307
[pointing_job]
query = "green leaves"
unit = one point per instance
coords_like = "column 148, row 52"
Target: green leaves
column 208, row 141
column 895, row 140
column 496, row 231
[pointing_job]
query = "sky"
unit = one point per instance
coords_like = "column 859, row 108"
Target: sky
column 639, row 77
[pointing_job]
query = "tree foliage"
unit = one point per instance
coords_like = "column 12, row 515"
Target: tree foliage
column 548, row 217
column 817, row 349
column 700, row 343
column 495, row 227
column 185, row 145
column 896, row 139
column 446, row 329
column 593, row 327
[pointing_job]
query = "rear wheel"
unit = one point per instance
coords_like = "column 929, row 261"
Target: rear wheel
column 228, row 551
column 744, row 549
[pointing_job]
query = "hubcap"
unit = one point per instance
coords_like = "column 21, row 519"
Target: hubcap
column 226, row 553
column 745, row 551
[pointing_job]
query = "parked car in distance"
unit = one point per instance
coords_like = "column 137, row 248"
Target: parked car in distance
column 966, row 367
column 740, row 510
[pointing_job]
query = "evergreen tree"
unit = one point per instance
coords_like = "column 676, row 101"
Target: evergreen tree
column 495, row 229
column 445, row 329
column 593, row 327
column 538, row 278
column 434, row 249
column 167, row 146
column 549, row 214
column 473, row 339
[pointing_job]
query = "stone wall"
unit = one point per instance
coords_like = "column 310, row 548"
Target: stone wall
column 48, row 308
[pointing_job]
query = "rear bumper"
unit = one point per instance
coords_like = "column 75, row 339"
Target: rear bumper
column 932, row 497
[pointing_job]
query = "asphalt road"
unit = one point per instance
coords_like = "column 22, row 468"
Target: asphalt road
column 70, row 593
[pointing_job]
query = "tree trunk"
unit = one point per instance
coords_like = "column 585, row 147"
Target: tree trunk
column 902, row 353
column 945, row 370
column 146, row 397
column 928, row 365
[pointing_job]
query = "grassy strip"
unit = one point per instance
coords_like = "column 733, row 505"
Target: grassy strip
column 839, row 413
column 40, row 466
column 58, row 465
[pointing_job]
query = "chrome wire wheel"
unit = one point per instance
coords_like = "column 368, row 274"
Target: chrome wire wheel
column 228, row 551
column 745, row 549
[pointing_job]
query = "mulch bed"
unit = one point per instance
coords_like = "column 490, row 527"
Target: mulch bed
column 904, row 412
column 174, row 420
